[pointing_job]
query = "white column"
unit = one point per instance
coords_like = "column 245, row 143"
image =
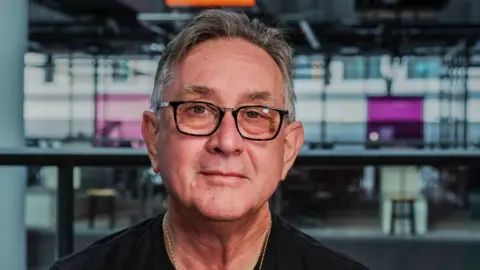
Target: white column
column 14, row 33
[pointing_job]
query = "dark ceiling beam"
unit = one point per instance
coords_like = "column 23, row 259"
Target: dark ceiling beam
column 55, row 5
column 96, row 23
column 119, row 52
column 74, row 34
column 100, row 11
column 132, row 37
column 415, row 29
column 94, row 28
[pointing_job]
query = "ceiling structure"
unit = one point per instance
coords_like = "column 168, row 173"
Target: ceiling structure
column 315, row 26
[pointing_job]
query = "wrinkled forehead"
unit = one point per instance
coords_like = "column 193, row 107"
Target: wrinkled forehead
column 193, row 91
column 228, row 71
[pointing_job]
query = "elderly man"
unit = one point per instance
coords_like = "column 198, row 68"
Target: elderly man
column 222, row 133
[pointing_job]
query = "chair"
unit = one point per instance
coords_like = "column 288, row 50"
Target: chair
column 409, row 214
column 94, row 195
column 401, row 200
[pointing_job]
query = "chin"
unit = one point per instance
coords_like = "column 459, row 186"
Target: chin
column 223, row 217
column 224, row 211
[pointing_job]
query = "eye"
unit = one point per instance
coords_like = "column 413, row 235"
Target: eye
column 252, row 114
column 257, row 113
column 197, row 109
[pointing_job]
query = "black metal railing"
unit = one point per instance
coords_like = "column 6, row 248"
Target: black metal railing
column 66, row 160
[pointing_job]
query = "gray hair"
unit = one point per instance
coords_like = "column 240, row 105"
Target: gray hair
column 217, row 24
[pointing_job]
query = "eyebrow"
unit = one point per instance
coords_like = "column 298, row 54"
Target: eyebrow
column 197, row 90
column 258, row 95
column 205, row 91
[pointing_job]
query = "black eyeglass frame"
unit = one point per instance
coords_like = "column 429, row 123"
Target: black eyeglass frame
column 222, row 111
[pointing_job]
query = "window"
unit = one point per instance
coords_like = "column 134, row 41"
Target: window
column 361, row 67
column 423, row 68
column 308, row 67
column 309, row 110
column 120, row 71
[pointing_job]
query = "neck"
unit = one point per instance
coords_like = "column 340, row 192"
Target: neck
column 199, row 243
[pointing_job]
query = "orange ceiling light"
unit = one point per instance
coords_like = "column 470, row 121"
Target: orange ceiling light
column 210, row 3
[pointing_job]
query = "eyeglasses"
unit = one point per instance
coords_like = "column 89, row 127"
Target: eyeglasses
column 198, row 118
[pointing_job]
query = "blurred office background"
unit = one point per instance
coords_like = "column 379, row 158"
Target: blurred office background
column 369, row 76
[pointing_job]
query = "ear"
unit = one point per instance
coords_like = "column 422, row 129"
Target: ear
column 149, row 133
column 293, row 143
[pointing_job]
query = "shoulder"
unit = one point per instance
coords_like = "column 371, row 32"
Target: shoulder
column 109, row 250
column 311, row 253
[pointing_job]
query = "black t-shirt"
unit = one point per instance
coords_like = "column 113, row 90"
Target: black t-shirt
column 142, row 247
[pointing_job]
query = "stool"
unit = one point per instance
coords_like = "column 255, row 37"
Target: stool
column 93, row 196
column 410, row 215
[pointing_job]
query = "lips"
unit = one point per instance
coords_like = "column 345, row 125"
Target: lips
column 223, row 174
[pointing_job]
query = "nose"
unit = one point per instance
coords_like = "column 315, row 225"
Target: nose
column 226, row 140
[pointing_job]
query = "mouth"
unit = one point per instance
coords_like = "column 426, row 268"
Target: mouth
column 223, row 179
column 223, row 174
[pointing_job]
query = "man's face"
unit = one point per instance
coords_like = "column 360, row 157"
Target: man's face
column 222, row 176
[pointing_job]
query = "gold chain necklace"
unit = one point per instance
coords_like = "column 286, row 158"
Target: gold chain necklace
column 171, row 254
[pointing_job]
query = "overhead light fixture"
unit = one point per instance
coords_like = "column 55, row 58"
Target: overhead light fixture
column 165, row 17
column 309, row 35
column 350, row 50
column 455, row 50
column 157, row 47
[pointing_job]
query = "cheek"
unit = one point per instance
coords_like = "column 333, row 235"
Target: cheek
column 268, row 164
column 178, row 157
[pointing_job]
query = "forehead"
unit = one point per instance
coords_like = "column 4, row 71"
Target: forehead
column 229, row 70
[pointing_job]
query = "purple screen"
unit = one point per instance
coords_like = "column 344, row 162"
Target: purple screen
column 395, row 109
column 395, row 118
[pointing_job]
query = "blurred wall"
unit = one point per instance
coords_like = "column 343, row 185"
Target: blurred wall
column 66, row 105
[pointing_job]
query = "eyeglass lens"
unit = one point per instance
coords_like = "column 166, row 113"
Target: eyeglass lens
column 256, row 122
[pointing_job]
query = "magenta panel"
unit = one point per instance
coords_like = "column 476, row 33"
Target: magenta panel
column 395, row 109
column 395, row 118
